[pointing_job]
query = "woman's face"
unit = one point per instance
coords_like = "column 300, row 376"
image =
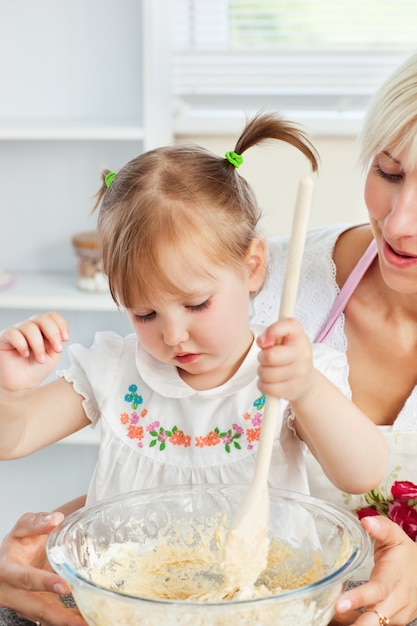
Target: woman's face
column 391, row 199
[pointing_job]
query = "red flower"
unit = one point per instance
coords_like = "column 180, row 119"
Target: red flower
column 366, row 511
column 405, row 516
column 404, row 490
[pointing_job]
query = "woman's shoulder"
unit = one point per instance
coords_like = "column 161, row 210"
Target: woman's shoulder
column 344, row 244
column 349, row 248
column 317, row 239
column 318, row 280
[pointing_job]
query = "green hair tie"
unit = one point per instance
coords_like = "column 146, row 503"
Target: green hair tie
column 234, row 158
column 109, row 178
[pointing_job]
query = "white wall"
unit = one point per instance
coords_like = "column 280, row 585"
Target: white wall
column 275, row 169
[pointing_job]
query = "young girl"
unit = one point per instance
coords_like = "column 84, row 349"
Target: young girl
column 181, row 399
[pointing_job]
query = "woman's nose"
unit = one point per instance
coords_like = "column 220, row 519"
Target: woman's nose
column 402, row 219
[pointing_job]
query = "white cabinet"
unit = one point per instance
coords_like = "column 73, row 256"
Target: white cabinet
column 85, row 84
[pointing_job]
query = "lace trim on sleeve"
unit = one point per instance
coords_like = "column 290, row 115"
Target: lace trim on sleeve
column 318, row 288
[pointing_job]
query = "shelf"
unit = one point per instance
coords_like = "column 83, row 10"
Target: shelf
column 71, row 133
column 45, row 291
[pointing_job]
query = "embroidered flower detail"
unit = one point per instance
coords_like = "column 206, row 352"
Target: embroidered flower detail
column 133, row 398
column 228, row 438
column 253, row 434
column 400, row 506
column 134, row 418
column 257, row 419
column 212, row 439
column 175, row 436
column 124, row 418
column 260, row 402
column 135, row 432
column 159, row 436
column 178, row 438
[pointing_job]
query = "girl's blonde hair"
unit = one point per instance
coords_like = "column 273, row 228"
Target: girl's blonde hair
column 391, row 120
column 182, row 198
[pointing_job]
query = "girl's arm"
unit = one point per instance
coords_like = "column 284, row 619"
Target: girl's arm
column 347, row 444
column 33, row 415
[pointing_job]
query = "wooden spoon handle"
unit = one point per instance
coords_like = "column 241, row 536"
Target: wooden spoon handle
column 296, row 248
column 287, row 306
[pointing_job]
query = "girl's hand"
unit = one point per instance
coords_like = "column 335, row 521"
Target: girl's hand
column 27, row 583
column 30, row 351
column 285, row 361
column 391, row 590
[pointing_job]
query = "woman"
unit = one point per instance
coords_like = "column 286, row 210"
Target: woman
column 358, row 293
column 378, row 331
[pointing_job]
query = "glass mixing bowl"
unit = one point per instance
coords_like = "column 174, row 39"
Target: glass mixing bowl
column 116, row 554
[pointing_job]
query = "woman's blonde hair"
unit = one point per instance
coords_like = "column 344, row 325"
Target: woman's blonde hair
column 391, row 120
column 182, row 198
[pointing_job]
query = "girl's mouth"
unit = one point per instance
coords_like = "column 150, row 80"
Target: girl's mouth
column 186, row 358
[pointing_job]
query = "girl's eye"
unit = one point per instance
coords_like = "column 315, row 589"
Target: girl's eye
column 392, row 178
column 144, row 318
column 200, row 307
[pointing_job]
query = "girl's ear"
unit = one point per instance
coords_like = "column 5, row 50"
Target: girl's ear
column 256, row 261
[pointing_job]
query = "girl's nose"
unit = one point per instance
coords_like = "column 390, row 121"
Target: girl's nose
column 174, row 333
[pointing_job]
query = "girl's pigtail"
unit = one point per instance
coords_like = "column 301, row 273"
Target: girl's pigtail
column 265, row 126
column 107, row 178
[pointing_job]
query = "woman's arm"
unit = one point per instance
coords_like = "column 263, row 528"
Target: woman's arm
column 391, row 590
column 27, row 584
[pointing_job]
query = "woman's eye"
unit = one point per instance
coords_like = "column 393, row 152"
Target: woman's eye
column 391, row 177
column 199, row 307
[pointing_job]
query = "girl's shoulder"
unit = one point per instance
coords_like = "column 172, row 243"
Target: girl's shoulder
column 108, row 352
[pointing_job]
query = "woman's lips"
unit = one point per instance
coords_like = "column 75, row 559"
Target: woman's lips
column 398, row 258
column 186, row 358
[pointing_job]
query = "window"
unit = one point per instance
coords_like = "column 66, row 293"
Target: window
column 318, row 61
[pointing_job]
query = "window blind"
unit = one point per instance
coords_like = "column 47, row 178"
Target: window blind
column 324, row 57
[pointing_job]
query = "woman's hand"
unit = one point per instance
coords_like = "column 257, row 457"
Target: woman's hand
column 391, row 590
column 27, row 583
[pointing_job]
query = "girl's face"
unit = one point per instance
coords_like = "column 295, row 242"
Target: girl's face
column 391, row 199
column 205, row 334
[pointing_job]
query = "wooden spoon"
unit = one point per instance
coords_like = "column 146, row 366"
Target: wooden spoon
column 246, row 547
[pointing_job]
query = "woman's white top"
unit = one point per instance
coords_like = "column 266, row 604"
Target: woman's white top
column 317, row 293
